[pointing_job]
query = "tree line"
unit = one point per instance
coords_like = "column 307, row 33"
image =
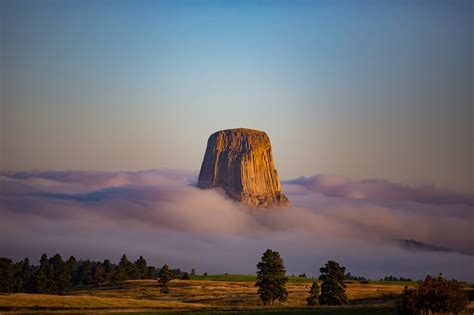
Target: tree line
column 54, row 275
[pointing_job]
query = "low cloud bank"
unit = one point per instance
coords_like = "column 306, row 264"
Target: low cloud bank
column 162, row 215
column 376, row 189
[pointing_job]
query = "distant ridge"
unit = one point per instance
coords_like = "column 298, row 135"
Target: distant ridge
column 420, row 246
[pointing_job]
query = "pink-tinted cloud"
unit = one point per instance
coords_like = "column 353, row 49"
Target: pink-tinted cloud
column 376, row 189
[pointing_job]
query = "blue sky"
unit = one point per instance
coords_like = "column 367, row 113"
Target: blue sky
column 359, row 88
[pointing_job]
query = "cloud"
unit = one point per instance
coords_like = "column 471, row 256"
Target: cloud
column 162, row 215
column 376, row 189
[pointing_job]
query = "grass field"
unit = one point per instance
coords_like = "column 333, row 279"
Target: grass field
column 211, row 294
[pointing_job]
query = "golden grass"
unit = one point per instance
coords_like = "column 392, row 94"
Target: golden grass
column 23, row 300
column 186, row 294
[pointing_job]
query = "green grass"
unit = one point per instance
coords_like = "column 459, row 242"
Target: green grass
column 231, row 278
column 251, row 278
column 391, row 282
column 246, row 278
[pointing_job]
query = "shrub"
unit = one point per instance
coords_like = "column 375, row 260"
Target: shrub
column 435, row 294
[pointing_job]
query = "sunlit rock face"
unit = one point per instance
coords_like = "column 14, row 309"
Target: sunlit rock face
column 240, row 162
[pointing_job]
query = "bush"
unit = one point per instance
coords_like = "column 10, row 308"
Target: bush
column 185, row 276
column 435, row 295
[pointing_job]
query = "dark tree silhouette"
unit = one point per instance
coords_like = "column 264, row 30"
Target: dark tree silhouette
column 271, row 279
column 185, row 276
column 332, row 286
column 23, row 277
column 165, row 276
column 108, row 270
column 434, row 294
column 141, row 267
column 312, row 299
column 46, row 275
column 56, row 276
column 123, row 269
column 6, row 275
column 72, row 266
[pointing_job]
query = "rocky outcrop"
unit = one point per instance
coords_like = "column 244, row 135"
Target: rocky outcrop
column 240, row 162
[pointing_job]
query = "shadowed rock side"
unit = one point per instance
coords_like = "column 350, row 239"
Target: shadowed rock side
column 240, row 162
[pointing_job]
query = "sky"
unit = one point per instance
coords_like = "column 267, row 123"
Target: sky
column 366, row 89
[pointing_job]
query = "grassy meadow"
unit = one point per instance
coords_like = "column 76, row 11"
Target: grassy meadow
column 208, row 294
column 213, row 294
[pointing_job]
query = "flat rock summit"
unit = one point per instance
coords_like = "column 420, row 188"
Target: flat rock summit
column 240, row 162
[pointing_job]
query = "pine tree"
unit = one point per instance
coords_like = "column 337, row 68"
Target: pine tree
column 151, row 272
column 18, row 285
column 332, row 287
column 40, row 282
column 141, row 267
column 165, row 276
column 312, row 299
column 27, row 276
column 108, row 270
column 121, row 272
column 44, row 283
column 84, row 273
column 6, row 275
column 98, row 273
column 271, row 279
column 62, row 278
column 72, row 266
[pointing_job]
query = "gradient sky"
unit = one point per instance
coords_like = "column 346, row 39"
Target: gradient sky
column 366, row 89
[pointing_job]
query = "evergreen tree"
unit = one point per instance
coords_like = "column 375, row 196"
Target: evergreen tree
column 23, row 274
column 332, row 287
column 185, row 276
column 6, row 275
column 271, row 279
column 193, row 272
column 151, row 272
column 40, row 282
column 62, row 278
column 26, row 276
column 108, row 270
column 45, row 280
column 29, row 276
column 84, row 273
column 72, row 266
column 121, row 272
column 312, row 299
column 141, row 268
column 18, row 285
column 165, row 276
column 98, row 273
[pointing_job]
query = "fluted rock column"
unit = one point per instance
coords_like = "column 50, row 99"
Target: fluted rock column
column 240, row 162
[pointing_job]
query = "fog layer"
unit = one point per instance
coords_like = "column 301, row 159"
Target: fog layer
column 161, row 215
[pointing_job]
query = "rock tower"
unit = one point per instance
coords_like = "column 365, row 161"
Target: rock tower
column 240, row 162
